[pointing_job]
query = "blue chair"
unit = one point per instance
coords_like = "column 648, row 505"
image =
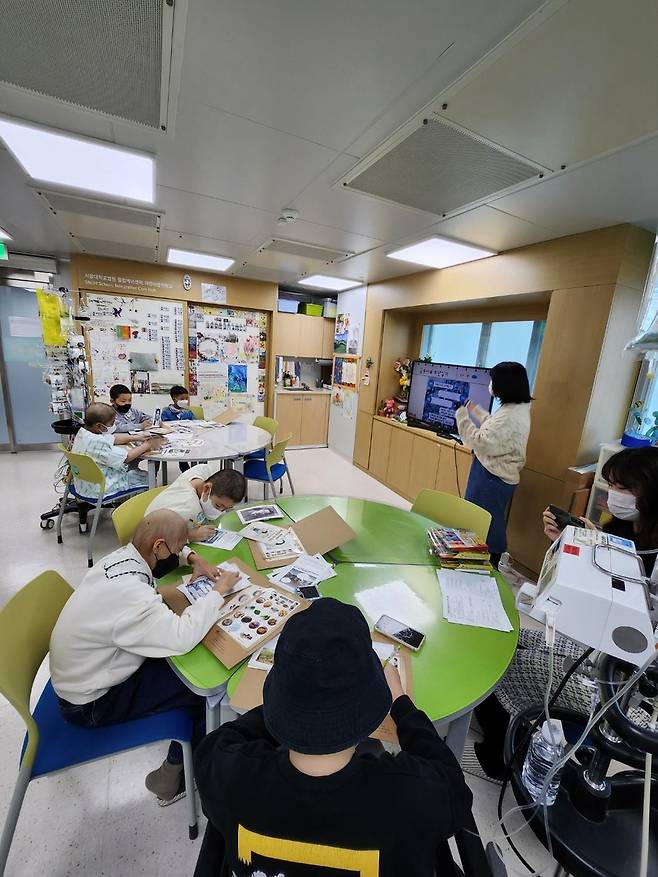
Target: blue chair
column 271, row 469
column 52, row 744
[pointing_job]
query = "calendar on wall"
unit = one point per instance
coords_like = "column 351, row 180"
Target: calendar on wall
column 138, row 342
column 227, row 353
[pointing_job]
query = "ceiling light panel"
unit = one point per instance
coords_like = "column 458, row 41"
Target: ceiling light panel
column 80, row 163
column 334, row 284
column 438, row 252
column 204, row 261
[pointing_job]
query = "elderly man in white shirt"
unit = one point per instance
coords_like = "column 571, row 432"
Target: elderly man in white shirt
column 108, row 646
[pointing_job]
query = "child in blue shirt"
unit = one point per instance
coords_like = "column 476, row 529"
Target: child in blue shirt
column 179, row 409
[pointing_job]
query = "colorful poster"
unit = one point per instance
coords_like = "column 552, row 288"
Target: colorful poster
column 237, row 378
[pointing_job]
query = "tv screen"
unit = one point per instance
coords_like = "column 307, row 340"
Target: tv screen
column 437, row 390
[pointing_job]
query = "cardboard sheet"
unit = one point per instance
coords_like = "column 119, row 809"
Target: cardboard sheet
column 318, row 533
column 249, row 692
column 218, row 640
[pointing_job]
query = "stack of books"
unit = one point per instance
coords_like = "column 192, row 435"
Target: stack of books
column 459, row 549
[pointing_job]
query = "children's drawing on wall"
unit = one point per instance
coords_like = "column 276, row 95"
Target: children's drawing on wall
column 237, row 378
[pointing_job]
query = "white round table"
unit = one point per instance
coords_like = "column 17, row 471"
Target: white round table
column 219, row 443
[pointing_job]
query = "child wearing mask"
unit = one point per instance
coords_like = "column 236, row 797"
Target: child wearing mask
column 200, row 495
column 97, row 439
column 128, row 417
column 180, row 406
column 632, row 478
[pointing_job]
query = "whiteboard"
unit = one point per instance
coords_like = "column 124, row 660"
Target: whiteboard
column 138, row 342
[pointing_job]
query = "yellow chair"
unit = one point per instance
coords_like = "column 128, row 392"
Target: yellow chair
column 197, row 411
column 51, row 743
column 452, row 511
column 83, row 467
column 127, row 516
column 271, row 469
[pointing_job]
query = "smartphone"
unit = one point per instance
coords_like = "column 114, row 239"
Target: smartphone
column 309, row 592
column 400, row 632
column 564, row 519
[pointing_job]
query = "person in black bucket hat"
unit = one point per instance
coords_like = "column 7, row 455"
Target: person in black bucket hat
column 292, row 789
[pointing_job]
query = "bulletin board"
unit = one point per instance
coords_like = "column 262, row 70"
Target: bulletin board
column 138, row 342
column 227, row 355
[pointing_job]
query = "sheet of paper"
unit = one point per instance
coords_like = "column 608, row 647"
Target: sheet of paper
column 259, row 513
column 472, row 600
column 305, row 571
column 197, row 589
column 224, row 539
column 397, row 600
column 243, row 581
column 263, row 659
column 266, row 534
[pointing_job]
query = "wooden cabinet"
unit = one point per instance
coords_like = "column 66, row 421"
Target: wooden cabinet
column 424, row 465
column 305, row 415
column 399, row 460
column 409, row 460
column 380, row 446
column 328, row 335
column 310, row 335
column 299, row 335
column 315, row 419
column 289, row 416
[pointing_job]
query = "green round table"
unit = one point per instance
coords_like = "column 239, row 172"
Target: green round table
column 457, row 666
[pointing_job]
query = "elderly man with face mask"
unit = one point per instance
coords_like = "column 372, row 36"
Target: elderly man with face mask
column 108, row 646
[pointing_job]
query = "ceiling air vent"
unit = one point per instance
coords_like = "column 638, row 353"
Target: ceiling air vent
column 304, row 251
column 439, row 168
column 115, row 58
column 113, row 250
column 90, row 207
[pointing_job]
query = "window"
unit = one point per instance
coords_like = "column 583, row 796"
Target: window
column 485, row 344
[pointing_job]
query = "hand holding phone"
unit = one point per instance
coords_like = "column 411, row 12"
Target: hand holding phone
column 565, row 519
column 401, row 633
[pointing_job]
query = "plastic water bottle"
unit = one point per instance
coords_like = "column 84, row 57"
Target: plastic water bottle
column 543, row 753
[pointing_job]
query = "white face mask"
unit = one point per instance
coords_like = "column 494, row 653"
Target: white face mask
column 210, row 511
column 622, row 505
column 109, row 430
column 182, row 403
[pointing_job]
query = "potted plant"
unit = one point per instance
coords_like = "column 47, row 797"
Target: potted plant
column 641, row 428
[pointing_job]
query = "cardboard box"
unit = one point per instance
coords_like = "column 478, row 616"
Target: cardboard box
column 318, row 533
column 228, row 416
column 220, row 643
column 249, row 692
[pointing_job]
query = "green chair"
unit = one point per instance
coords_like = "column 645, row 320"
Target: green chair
column 83, row 467
column 51, row 743
column 269, row 424
column 452, row 511
column 197, row 411
column 127, row 516
column 271, row 469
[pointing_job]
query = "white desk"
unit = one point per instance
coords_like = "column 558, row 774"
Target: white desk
column 221, row 443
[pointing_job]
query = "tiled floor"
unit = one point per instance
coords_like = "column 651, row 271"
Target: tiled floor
column 99, row 819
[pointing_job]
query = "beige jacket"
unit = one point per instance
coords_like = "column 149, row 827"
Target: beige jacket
column 500, row 441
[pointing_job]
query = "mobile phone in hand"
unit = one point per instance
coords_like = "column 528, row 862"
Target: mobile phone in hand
column 564, row 519
column 401, row 633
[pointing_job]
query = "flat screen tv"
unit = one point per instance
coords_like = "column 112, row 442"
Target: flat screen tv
column 438, row 389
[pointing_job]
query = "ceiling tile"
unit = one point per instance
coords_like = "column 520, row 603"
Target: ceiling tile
column 202, row 244
column 218, row 154
column 200, row 215
column 487, row 227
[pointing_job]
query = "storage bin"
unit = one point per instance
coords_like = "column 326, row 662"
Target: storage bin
column 329, row 308
column 287, row 306
column 311, row 310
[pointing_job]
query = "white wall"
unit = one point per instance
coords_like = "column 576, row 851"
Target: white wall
column 342, row 420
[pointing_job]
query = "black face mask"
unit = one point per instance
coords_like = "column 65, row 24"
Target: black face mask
column 123, row 409
column 165, row 566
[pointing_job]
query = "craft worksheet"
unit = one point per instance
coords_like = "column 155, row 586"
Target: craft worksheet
column 227, row 358
column 137, row 342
